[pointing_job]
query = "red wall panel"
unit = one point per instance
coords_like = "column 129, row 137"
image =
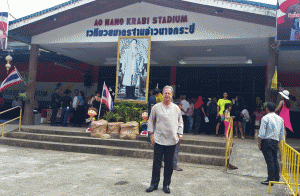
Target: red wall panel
column 289, row 79
column 49, row 72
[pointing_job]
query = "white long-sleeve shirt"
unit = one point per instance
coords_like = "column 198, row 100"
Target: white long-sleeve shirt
column 166, row 123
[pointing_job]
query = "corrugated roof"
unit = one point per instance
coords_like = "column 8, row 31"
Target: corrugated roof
column 264, row 5
column 43, row 11
column 254, row 3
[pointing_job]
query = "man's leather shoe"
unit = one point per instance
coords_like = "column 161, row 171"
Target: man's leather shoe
column 166, row 189
column 177, row 169
column 151, row 189
column 267, row 183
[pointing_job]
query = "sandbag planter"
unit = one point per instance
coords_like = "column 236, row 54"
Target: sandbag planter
column 99, row 129
column 114, row 128
column 105, row 130
column 129, row 130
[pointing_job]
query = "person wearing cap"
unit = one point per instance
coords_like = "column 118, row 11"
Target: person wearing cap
column 165, row 127
column 270, row 133
column 284, row 109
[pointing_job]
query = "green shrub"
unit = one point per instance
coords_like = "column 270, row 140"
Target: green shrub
column 125, row 111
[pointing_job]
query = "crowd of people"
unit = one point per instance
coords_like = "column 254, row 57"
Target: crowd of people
column 213, row 116
column 72, row 108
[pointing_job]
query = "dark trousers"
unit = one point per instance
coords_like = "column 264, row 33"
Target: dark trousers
column 78, row 116
column 269, row 149
column 53, row 116
column 212, row 123
column 185, row 124
column 197, row 123
column 167, row 152
column 176, row 155
column 64, row 116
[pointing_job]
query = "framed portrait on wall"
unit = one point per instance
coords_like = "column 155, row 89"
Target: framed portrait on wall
column 133, row 64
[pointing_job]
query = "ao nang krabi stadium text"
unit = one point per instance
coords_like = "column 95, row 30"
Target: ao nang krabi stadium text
column 96, row 32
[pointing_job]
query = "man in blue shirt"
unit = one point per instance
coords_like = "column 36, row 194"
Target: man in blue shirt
column 270, row 133
column 151, row 103
column 152, row 100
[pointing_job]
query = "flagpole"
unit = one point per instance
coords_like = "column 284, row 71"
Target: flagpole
column 101, row 101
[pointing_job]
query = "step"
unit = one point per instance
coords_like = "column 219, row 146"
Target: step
column 110, row 150
column 58, row 132
column 194, row 142
column 140, row 138
column 136, row 144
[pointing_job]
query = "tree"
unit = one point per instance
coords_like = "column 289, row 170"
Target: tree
column 30, row 86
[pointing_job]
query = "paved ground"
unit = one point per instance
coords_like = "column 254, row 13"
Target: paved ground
column 248, row 158
column 44, row 172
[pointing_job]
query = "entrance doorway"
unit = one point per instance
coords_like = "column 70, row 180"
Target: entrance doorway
column 248, row 82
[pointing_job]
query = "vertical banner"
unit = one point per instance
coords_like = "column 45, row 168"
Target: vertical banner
column 133, row 64
column 288, row 20
column 3, row 30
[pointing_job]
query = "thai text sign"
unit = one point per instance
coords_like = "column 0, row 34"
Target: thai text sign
column 143, row 31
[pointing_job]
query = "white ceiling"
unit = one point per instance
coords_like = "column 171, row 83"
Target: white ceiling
column 167, row 53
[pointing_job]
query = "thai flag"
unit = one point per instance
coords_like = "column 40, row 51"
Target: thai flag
column 106, row 98
column 12, row 79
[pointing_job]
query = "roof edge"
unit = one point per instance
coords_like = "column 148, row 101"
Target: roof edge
column 44, row 11
column 265, row 5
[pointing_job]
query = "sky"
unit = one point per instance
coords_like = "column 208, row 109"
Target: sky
column 21, row 8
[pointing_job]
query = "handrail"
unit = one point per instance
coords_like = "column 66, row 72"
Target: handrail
column 20, row 119
column 290, row 168
column 229, row 139
column 10, row 109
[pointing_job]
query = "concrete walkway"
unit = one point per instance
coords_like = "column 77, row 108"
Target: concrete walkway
column 45, row 172
column 248, row 158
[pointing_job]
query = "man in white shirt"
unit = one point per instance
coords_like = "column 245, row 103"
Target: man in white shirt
column 270, row 133
column 185, row 108
column 74, row 108
column 165, row 127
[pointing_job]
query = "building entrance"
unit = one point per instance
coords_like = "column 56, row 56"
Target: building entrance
column 248, row 82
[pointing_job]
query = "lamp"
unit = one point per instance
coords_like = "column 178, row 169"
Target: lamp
column 182, row 62
column 8, row 59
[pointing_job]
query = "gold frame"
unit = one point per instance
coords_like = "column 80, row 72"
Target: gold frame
column 148, row 69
